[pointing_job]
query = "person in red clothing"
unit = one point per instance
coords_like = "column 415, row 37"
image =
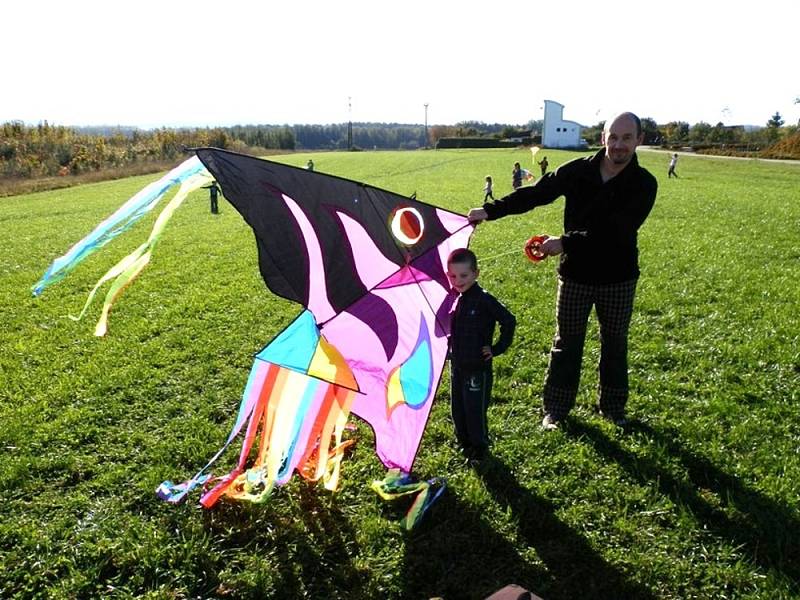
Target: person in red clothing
column 608, row 196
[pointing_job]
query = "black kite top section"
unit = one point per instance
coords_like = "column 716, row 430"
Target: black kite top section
column 299, row 216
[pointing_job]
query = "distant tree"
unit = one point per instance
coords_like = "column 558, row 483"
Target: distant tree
column 650, row 131
column 699, row 132
column 509, row 131
column 465, row 130
column 721, row 134
column 219, row 138
column 593, row 134
column 676, row 131
column 473, row 127
column 436, row 132
column 776, row 121
column 536, row 126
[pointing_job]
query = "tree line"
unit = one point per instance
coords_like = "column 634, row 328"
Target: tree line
column 45, row 150
column 720, row 138
column 48, row 150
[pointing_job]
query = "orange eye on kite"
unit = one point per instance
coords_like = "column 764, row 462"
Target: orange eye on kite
column 407, row 225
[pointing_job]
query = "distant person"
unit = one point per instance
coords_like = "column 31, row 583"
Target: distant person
column 608, row 196
column 471, row 348
column 213, row 192
column 516, row 176
column 310, row 165
column 543, row 165
column 673, row 162
column 487, row 190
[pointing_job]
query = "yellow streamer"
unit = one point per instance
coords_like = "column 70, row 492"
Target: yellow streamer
column 126, row 270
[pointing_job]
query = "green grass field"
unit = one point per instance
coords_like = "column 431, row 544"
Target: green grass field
column 698, row 500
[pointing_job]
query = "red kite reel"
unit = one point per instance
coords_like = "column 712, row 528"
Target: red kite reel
column 533, row 248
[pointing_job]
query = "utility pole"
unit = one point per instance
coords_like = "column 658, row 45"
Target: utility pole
column 349, row 124
column 426, row 124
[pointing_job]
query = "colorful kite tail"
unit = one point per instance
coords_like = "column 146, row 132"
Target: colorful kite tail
column 294, row 421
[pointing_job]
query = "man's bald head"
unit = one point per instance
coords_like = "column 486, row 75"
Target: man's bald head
column 626, row 115
column 621, row 135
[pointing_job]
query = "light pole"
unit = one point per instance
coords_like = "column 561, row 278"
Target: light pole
column 426, row 124
column 349, row 124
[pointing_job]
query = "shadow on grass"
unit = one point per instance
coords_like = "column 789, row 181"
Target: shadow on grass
column 456, row 553
column 764, row 528
column 307, row 553
column 575, row 569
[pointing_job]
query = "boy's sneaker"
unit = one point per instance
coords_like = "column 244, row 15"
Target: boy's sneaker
column 550, row 423
column 478, row 457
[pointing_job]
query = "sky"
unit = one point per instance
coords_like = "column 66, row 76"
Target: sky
column 176, row 63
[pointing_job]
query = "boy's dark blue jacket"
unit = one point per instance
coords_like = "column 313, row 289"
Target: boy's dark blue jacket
column 473, row 327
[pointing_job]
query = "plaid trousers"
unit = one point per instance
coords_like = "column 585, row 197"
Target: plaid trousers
column 614, row 306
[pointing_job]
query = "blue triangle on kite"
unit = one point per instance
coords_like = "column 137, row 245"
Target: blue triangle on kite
column 294, row 347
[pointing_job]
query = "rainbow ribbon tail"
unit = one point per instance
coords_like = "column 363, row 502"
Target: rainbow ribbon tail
column 398, row 484
column 292, row 421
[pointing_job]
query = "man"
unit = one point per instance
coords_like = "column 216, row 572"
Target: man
column 607, row 198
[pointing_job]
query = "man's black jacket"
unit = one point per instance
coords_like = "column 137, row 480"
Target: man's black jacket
column 601, row 220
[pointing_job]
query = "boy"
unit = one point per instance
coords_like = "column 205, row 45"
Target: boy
column 487, row 190
column 673, row 162
column 471, row 352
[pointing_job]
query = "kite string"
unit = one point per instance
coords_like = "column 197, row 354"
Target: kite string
column 484, row 259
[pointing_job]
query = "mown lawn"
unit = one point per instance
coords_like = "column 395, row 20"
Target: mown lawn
column 698, row 500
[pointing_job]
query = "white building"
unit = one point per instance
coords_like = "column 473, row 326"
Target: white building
column 558, row 133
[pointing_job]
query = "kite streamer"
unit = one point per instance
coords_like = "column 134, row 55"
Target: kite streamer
column 129, row 267
column 299, row 421
column 398, row 484
column 121, row 220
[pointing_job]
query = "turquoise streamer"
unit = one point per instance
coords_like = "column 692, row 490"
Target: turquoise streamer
column 397, row 484
column 122, row 219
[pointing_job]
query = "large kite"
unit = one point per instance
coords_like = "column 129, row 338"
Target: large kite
column 369, row 267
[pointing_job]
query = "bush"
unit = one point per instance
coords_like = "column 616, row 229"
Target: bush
column 789, row 147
